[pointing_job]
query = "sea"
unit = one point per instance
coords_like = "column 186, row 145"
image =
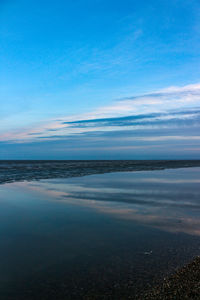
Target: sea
column 95, row 229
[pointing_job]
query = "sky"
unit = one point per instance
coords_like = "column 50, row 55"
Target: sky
column 96, row 79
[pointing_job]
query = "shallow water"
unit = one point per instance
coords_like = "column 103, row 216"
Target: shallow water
column 104, row 236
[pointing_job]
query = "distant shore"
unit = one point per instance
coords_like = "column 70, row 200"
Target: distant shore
column 28, row 170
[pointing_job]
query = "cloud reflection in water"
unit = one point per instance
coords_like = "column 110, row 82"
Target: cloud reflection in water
column 168, row 200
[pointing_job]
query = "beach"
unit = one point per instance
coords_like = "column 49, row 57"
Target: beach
column 183, row 284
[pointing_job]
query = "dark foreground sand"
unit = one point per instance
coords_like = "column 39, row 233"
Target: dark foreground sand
column 184, row 284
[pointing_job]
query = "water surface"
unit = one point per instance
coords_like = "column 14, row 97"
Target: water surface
column 104, row 236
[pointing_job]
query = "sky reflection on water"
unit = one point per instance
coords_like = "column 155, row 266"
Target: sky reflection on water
column 168, row 200
column 93, row 232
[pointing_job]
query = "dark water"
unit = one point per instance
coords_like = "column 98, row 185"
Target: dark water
column 107, row 236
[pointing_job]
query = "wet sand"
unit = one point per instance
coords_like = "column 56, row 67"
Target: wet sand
column 183, row 284
column 27, row 170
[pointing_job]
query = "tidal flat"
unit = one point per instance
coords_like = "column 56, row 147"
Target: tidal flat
column 114, row 235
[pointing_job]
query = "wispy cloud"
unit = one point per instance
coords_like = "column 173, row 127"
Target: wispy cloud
column 172, row 107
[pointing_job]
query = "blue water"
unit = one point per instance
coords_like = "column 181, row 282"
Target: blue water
column 99, row 236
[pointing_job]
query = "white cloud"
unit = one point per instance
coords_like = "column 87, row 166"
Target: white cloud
column 169, row 100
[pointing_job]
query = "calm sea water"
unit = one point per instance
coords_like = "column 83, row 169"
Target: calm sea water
column 107, row 236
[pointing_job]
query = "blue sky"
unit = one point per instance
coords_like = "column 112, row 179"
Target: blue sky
column 99, row 79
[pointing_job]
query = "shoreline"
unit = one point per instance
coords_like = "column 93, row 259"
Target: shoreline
column 15, row 171
column 183, row 284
